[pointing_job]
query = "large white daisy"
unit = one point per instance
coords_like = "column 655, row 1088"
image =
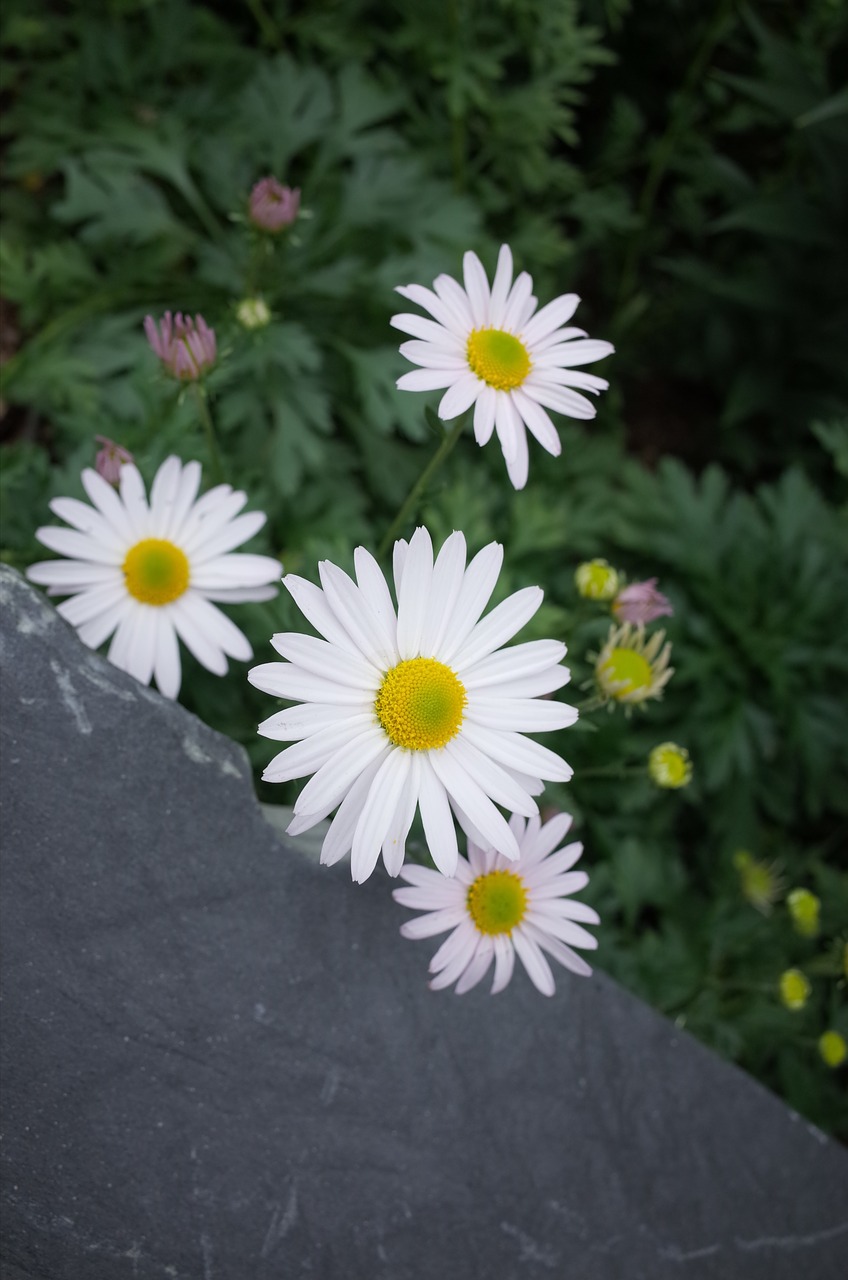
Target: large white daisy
column 411, row 708
column 490, row 347
column 149, row 571
column 496, row 909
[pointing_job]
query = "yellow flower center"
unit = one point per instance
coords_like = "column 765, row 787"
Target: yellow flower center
column 156, row 571
column 625, row 671
column 497, row 902
column 833, row 1048
column 420, row 704
column 669, row 765
column 596, row 580
column 498, row 358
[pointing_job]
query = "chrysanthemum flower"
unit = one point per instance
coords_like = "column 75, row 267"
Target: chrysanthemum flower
column 414, row 708
column 496, row 909
column 805, row 909
column 273, row 207
column 794, row 988
column 669, row 766
column 148, row 572
column 491, row 348
column 596, row 580
column 110, row 458
column 630, row 668
column 641, row 603
column 185, row 344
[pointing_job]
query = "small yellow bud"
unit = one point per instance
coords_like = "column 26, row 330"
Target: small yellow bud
column 253, row 313
column 833, row 1048
column 804, row 908
column 794, row 989
column 670, row 766
column 596, row 580
column 760, row 882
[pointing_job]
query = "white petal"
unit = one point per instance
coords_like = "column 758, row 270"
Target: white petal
column 507, row 425
column 448, row 574
column 428, row 379
column 551, row 317
column 545, row 375
column 399, row 553
column 504, row 963
column 484, row 414
column 538, row 969
column 94, row 633
column 538, row 844
column 538, row 423
column 296, row 723
column 478, row 968
column 285, row 680
column 566, row 908
column 429, row 356
column 574, row 935
column 373, row 585
column 517, row 468
column 426, row 877
column 191, row 631
column 516, row 303
column 562, row 399
column 335, row 778
column 437, row 819
column 216, row 625
column 515, row 751
column 313, row 605
column 86, row 519
column 80, row 546
column 353, row 610
column 90, row 604
column 394, row 843
column 166, row 665
column 135, row 501
column 555, row 866
column 533, row 686
column 233, row 534
column 525, row 659
column 441, row 311
column 477, row 288
column 323, row 659
column 308, row 755
column 500, row 288
column 583, row 351
column 568, row 958
column 458, row 964
column 141, row 652
column 489, row 776
column 419, row 327
column 239, row 595
column 163, row 495
column 208, row 516
column 460, row 396
column 474, row 801
column 104, row 497
column 526, row 715
column 186, row 494
column 499, row 626
column 456, row 300
column 239, row 571
column 434, row 922
column 338, row 839
column 121, row 640
column 414, row 594
column 479, row 582
column 66, row 576
column 432, row 898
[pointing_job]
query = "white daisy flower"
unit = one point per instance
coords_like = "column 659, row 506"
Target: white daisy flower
column 496, row 909
column 148, row 572
column 490, row 347
column 414, row 708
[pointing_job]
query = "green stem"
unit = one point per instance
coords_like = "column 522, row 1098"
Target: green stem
column 448, row 441
column 265, row 23
column 209, row 428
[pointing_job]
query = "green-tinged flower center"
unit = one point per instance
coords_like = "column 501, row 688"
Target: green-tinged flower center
column 498, row 358
column 156, row 571
column 669, row 765
column 596, row 580
column 625, row 671
column 794, row 989
column 420, row 704
column 497, row 902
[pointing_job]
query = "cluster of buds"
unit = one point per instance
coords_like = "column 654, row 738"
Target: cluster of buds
column 185, row 344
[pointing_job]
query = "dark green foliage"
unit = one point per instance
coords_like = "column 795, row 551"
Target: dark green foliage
column 685, row 167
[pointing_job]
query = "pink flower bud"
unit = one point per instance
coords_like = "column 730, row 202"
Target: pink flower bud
column 273, row 207
column 185, row 345
column 110, row 458
column 641, row 603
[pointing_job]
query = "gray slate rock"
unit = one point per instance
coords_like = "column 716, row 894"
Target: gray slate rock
column 221, row 1062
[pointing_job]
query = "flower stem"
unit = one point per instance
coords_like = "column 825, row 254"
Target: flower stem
column 209, row 428
column 409, row 507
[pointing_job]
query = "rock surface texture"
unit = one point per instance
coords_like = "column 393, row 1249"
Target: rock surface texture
column 221, row 1062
